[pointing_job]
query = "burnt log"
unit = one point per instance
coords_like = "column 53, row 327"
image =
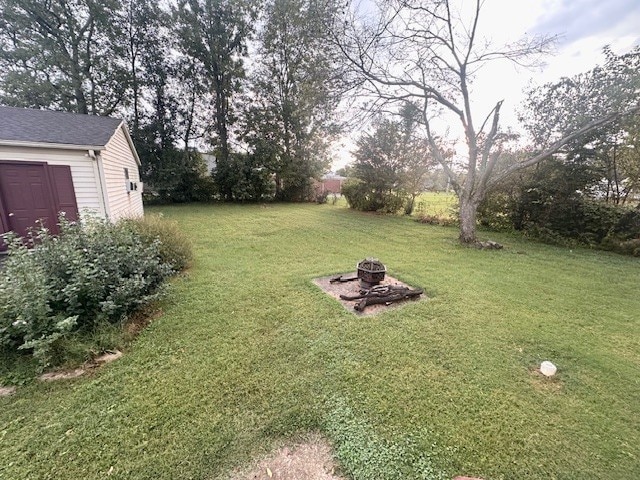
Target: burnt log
column 382, row 294
column 377, row 291
column 387, row 299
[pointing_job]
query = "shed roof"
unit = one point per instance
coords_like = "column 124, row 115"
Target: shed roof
column 46, row 126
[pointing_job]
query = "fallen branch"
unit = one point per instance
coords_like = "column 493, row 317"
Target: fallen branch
column 387, row 299
column 376, row 291
column 382, row 294
column 341, row 279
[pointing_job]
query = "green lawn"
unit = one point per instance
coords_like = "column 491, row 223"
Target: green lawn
column 250, row 353
column 439, row 204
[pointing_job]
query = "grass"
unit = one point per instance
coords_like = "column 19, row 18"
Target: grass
column 437, row 204
column 249, row 352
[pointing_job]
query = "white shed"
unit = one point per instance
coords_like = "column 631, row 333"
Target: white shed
column 56, row 161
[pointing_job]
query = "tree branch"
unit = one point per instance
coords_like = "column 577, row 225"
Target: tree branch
column 557, row 146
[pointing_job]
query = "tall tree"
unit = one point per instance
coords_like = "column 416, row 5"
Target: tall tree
column 214, row 33
column 61, row 54
column 295, row 90
column 193, row 101
column 555, row 109
column 145, row 45
column 430, row 52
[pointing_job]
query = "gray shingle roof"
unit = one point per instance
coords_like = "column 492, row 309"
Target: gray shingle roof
column 45, row 126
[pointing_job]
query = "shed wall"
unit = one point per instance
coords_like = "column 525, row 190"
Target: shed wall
column 117, row 156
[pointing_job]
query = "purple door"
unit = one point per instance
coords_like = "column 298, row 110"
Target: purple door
column 31, row 191
column 63, row 191
column 26, row 197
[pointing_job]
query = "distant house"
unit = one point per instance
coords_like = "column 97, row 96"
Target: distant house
column 330, row 183
column 53, row 162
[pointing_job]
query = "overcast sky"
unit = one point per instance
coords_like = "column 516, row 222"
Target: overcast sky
column 584, row 26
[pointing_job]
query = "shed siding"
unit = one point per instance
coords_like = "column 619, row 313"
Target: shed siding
column 82, row 171
column 117, row 156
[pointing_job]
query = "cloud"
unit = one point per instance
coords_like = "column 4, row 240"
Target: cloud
column 578, row 19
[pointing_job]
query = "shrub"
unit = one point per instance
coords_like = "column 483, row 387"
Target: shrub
column 626, row 247
column 598, row 219
column 174, row 247
column 322, row 197
column 628, row 225
column 624, row 236
column 551, row 203
column 496, row 211
column 248, row 180
column 89, row 274
column 361, row 197
column 440, row 220
column 173, row 175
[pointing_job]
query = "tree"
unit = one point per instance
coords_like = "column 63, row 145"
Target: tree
column 193, row 101
column 113, row 57
column 416, row 162
column 377, row 167
column 626, row 164
column 391, row 165
column 347, row 171
column 430, row 52
column 295, row 90
column 214, row 33
column 61, row 54
column 554, row 109
column 145, row 50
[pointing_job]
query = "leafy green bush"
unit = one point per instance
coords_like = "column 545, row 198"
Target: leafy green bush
column 360, row 196
column 497, row 210
column 175, row 176
column 624, row 236
column 174, row 247
column 552, row 203
column 89, row 274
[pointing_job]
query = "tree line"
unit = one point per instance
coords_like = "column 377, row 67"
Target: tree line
column 260, row 82
column 252, row 83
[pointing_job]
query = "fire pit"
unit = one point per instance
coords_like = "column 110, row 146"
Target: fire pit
column 373, row 291
column 371, row 271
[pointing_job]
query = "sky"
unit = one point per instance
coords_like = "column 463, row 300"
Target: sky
column 584, row 28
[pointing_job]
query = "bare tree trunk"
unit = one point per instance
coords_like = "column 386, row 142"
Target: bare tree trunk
column 222, row 154
column 468, row 212
column 616, row 181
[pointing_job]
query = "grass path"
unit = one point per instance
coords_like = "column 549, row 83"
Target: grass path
column 250, row 352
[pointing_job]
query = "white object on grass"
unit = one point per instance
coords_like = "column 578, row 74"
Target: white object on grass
column 548, row 369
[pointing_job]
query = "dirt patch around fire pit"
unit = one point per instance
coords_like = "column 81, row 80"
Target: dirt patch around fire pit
column 353, row 288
